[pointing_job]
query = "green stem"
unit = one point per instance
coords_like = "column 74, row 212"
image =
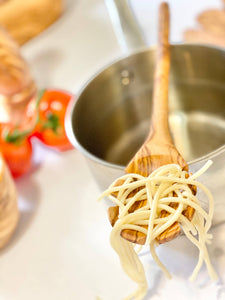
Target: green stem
column 17, row 135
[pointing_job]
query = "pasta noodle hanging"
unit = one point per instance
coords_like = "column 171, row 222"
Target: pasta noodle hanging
column 168, row 184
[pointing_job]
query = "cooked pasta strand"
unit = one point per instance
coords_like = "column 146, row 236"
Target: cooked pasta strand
column 166, row 185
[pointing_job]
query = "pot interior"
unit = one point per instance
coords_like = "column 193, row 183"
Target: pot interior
column 112, row 115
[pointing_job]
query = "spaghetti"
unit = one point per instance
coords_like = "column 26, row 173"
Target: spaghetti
column 168, row 184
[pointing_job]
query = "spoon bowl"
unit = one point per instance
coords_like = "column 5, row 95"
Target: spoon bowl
column 158, row 149
column 118, row 120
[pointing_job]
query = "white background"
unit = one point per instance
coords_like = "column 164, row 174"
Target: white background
column 61, row 250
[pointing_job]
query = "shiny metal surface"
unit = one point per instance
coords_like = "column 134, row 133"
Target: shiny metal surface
column 125, row 25
column 111, row 117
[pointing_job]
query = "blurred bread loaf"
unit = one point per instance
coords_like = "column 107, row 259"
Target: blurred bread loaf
column 9, row 213
column 210, row 28
column 25, row 19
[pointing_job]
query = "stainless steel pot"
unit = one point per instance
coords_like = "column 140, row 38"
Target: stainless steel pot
column 111, row 116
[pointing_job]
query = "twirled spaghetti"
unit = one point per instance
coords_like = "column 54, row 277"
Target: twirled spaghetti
column 166, row 185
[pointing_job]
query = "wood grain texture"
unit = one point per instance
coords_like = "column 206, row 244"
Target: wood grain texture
column 158, row 149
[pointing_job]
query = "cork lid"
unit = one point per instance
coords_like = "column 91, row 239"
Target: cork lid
column 14, row 71
column 17, row 86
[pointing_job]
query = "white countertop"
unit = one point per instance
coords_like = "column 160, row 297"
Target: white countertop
column 61, row 247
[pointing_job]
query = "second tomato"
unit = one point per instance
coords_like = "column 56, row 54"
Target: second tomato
column 50, row 128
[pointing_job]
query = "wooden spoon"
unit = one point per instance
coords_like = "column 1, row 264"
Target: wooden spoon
column 158, row 149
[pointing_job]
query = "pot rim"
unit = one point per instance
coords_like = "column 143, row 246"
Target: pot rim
column 72, row 104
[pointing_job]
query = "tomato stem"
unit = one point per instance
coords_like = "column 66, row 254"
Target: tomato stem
column 52, row 122
column 16, row 135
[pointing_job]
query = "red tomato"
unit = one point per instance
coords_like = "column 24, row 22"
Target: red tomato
column 17, row 154
column 50, row 128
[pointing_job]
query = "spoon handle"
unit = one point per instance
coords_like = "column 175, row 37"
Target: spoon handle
column 159, row 123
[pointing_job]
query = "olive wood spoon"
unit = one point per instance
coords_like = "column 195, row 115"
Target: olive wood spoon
column 158, row 149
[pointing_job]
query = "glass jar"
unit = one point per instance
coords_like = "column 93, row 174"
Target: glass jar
column 17, row 87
